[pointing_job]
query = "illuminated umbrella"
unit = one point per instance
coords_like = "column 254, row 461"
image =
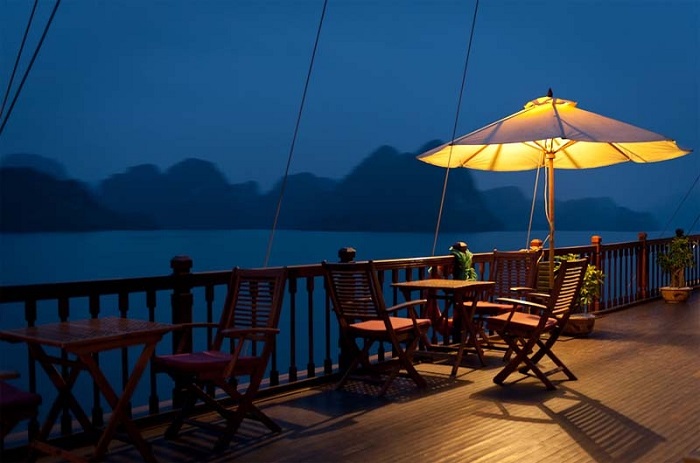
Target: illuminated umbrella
column 553, row 133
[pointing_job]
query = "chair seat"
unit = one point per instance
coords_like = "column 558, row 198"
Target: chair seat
column 13, row 399
column 488, row 308
column 15, row 405
column 204, row 364
column 399, row 324
column 520, row 322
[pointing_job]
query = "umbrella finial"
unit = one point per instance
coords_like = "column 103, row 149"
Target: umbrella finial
column 549, row 93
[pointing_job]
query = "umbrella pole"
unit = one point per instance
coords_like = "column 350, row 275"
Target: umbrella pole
column 550, row 201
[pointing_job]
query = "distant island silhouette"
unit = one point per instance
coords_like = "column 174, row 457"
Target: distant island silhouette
column 387, row 191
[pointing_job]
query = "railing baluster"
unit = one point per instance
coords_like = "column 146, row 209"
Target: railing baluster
column 311, row 365
column 292, row 287
column 97, row 410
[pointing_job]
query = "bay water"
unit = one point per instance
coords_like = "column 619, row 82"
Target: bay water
column 59, row 257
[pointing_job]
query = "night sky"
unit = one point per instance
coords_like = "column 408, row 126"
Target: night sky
column 119, row 83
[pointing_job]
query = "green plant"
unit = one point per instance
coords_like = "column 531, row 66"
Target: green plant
column 677, row 257
column 463, row 269
column 592, row 282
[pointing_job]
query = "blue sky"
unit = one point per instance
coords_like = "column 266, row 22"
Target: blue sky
column 125, row 82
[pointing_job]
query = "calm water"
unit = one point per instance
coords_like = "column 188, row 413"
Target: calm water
column 57, row 257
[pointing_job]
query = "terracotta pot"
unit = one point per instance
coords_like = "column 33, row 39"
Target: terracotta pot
column 674, row 295
column 580, row 324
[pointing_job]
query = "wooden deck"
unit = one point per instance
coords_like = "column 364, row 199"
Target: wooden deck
column 637, row 399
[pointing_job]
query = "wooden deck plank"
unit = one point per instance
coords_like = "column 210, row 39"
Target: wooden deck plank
column 637, row 399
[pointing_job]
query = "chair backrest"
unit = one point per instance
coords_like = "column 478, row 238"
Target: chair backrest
column 541, row 281
column 355, row 291
column 567, row 287
column 510, row 269
column 254, row 300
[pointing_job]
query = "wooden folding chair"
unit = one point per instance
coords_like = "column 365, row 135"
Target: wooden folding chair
column 508, row 270
column 249, row 322
column 523, row 331
column 358, row 302
column 15, row 405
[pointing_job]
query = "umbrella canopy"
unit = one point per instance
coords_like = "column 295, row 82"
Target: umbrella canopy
column 553, row 133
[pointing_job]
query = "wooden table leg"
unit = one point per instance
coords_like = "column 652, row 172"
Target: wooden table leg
column 64, row 387
column 119, row 404
column 467, row 330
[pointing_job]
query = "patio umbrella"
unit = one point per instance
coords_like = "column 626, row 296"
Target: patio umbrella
column 553, row 133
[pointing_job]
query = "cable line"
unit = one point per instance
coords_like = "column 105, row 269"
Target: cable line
column 532, row 207
column 679, row 206
column 19, row 55
column 294, row 138
column 29, row 67
column 454, row 128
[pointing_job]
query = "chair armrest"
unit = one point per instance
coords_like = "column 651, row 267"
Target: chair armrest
column 9, row 374
column 522, row 303
column 183, row 326
column 522, row 289
column 406, row 304
column 247, row 332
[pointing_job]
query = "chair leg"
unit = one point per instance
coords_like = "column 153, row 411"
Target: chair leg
column 245, row 408
column 513, row 363
column 557, row 361
column 357, row 359
column 522, row 356
column 189, row 400
column 545, row 348
column 404, row 360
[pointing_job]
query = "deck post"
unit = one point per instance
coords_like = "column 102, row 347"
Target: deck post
column 597, row 260
column 642, row 274
column 345, row 255
column 181, row 302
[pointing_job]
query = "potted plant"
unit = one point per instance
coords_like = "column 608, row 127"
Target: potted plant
column 581, row 321
column 677, row 257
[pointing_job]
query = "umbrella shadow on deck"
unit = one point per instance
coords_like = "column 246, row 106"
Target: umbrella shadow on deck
column 603, row 432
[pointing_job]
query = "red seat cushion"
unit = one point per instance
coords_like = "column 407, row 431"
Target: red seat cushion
column 12, row 398
column 399, row 324
column 206, row 364
column 520, row 321
column 484, row 308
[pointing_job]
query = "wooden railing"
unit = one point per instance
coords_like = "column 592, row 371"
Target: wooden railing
column 307, row 350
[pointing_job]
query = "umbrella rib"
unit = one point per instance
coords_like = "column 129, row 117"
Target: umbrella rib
column 559, row 121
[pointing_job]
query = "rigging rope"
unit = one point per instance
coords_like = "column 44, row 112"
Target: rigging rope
column 29, row 67
column 454, row 128
column 678, row 208
column 294, row 138
column 19, row 55
column 532, row 206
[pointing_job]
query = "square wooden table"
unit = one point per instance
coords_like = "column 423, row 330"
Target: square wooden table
column 461, row 292
column 84, row 339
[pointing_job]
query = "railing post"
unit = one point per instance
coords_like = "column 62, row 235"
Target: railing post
column 181, row 300
column 345, row 255
column 642, row 266
column 596, row 242
column 181, row 311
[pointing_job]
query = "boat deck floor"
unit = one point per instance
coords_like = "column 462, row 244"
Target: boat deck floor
column 637, row 399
